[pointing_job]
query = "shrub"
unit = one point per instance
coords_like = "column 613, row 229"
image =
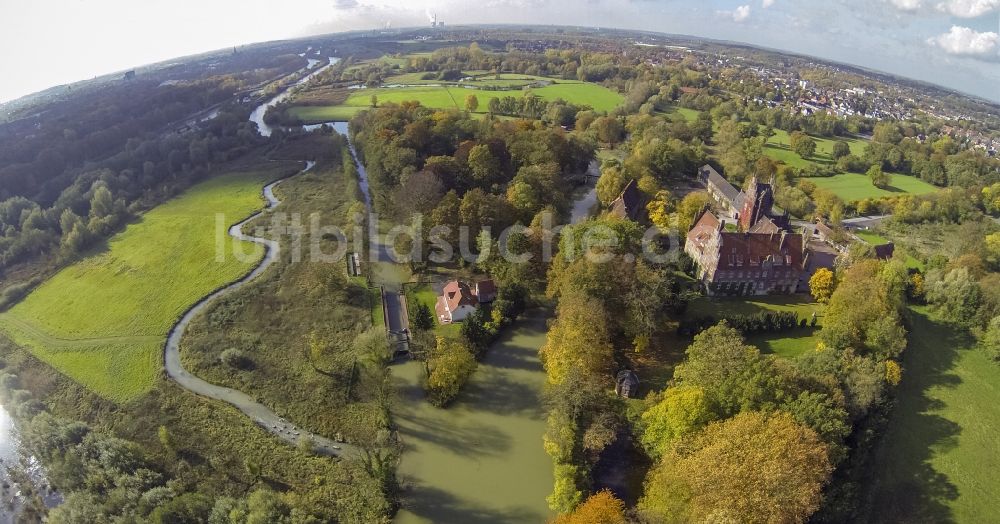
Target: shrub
column 235, row 358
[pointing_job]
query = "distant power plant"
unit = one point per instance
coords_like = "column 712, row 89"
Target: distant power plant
column 434, row 20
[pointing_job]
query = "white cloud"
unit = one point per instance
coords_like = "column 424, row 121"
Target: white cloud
column 966, row 41
column 907, row 5
column 740, row 14
column 968, row 8
column 767, row 3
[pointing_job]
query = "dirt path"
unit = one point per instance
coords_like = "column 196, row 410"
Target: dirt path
column 260, row 414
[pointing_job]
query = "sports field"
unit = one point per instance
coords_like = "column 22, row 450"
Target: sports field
column 598, row 97
column 855, row 186
column 102, row 321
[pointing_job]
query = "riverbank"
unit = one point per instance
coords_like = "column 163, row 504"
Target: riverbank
column 480, row 460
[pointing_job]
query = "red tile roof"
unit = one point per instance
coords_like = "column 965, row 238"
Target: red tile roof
column 456, row 294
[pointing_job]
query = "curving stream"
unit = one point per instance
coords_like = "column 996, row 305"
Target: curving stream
column 259, row 413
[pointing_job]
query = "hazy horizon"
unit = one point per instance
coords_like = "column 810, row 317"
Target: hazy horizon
column 953, row 44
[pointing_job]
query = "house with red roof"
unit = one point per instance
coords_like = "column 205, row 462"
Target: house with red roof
column 458, row 299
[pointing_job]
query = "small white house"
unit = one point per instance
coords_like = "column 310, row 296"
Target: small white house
column 455, row 303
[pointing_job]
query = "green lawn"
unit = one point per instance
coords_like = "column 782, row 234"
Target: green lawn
column 786, row 344
column 689, row 115
column 855, row 186
column 424, row 294
column 939, row 458
column 453, row 97
column 778, row 147
column 872, row 238
column 102, row 320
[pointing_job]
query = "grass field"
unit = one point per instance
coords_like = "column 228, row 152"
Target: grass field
column 872, row 238
column 102, row 320
column 855, row 186
column 939, row 459
column 788, row 344
column 452, row 97
column 689, row 115
column 779, row 148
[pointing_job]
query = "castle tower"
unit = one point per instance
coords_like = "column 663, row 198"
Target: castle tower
column 757, row 203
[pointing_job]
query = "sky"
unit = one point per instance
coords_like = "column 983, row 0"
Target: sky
column 954, row 43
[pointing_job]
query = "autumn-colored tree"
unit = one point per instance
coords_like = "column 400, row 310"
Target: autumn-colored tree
column 450, row 365
column 688, row 209
column 822, row 284
column 601, row 508
column 893, row 372
column 683, row 410
column 472, row 103
column 658, row 209
column 863, row 314
column 752, row 468
column 374, row 100
column 579, row 338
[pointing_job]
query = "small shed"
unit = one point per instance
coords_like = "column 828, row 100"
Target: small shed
column 626, row 383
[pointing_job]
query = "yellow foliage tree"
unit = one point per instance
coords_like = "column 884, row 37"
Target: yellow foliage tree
column 752, row 468
column 601, row 508
column 893, row 373
column 822, row 284
column 659, row 210
column 579, row 338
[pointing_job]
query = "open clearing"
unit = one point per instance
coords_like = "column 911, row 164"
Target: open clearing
column 102, row 321
column 779, row 148
column 789, row 344
column 855, row 186
column 939, row 459
column 453, row 97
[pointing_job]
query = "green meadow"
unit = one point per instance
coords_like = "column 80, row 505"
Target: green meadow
column 453, row 97
column 102, row 321
column 939, row 458
column 855, row 186
column 779, row 147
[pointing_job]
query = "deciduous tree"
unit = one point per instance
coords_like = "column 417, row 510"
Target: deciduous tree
column 752, row 468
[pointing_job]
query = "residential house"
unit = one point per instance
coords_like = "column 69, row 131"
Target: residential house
column 629, row 202
column 458, row 299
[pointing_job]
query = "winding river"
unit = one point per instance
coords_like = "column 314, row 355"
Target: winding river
column 259, row 413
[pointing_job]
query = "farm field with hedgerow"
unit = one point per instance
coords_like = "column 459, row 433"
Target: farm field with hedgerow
column 102, row 320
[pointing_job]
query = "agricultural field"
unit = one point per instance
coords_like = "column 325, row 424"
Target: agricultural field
column 937, row 460
column 855, row 186
column 787, row 344
column 778, row 147
column 102, row 321
column 452, row 97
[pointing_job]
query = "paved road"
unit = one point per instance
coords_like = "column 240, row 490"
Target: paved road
column 259, row 413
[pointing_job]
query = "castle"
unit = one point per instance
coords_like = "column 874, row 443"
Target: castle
column 757, row 255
